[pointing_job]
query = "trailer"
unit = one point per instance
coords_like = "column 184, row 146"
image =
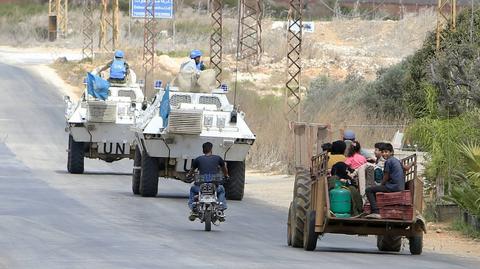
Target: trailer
column 310, row 217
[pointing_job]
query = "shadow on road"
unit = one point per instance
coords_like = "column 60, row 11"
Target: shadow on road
column 356, row 251
column 182, row 196
column 64, row 172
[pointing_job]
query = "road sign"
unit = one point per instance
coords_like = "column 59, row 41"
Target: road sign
column 163, row 9
column 308, row 27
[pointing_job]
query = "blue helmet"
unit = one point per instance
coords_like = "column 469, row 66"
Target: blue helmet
column 119, row 54
column 195, row 53
column 348, row 135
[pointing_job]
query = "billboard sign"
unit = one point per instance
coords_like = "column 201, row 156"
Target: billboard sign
column 163, row 9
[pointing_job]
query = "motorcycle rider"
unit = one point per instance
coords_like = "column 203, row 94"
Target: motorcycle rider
column 119, row 68
column 207, row 165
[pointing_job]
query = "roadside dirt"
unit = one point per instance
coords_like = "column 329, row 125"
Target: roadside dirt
column 277, row 190
column 37, row 61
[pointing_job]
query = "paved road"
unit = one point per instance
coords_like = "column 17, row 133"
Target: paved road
column 50, row 219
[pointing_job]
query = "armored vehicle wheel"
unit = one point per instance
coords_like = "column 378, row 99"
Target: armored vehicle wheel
column 136, row 173
column 289, row 225
column 234, row 188
column 149, row 176
column 301, row 204
column 309, row 235
column 389, row 243
column 416, row 244
column 76, row 154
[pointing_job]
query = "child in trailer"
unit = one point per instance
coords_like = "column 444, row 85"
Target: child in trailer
column 354, row 158
column 393, row 180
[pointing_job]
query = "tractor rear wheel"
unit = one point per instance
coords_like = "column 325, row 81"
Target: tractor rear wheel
column 309, row 235
column 296, row 233
column 289, row 224
column 301, row 205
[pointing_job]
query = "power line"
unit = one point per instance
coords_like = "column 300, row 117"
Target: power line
column 377, row 7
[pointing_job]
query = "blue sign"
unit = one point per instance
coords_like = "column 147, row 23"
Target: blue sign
column 163, row 9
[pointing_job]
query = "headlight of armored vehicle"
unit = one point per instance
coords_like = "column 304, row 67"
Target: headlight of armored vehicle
column 208, row 121
column 122, row 110
column 221, row 122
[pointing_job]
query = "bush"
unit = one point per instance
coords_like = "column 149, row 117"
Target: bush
column 266, row 119
column 325, row 95
column 440, row 137
column 15, row 13
column 465, row 190
column 386, row 93
column 452, row 73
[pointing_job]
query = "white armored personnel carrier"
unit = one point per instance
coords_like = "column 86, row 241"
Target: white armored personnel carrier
column 194, row 118
column 100, row 129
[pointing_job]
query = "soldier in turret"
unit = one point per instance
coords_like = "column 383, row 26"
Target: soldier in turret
column 119, row 68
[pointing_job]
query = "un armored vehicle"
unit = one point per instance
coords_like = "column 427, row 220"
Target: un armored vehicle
column 166, row 147
column 100, row 129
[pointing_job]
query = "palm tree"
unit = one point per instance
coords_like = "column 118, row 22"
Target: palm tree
column 466, row 188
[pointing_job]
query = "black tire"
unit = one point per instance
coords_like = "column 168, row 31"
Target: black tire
column 76, row 155
column 289, row 225
column 416, row 244
column 301, row 204
column 149, row 176
column 208, row 220
column 389, row 243
column 296, row 237
column 309, row 235
column 235, row 187
column 136, row 173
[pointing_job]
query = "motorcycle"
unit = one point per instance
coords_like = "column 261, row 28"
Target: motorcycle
column 206, row 205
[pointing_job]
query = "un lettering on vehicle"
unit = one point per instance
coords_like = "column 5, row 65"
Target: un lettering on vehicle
column 114, row 148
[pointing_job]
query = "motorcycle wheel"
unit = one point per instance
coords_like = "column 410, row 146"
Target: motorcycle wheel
column 208, row 220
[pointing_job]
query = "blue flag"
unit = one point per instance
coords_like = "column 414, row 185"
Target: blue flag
column 165, row 106
column 97, row 86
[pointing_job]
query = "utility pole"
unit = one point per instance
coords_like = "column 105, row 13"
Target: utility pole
column 216, row 46
column 149, row 36
column 250, row 32
column 294, row 63
column 57, row 18
column 446, row 15
column 109, row 26
column 87, row 29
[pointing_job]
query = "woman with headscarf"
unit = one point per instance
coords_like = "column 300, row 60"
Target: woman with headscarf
column 337, row 153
